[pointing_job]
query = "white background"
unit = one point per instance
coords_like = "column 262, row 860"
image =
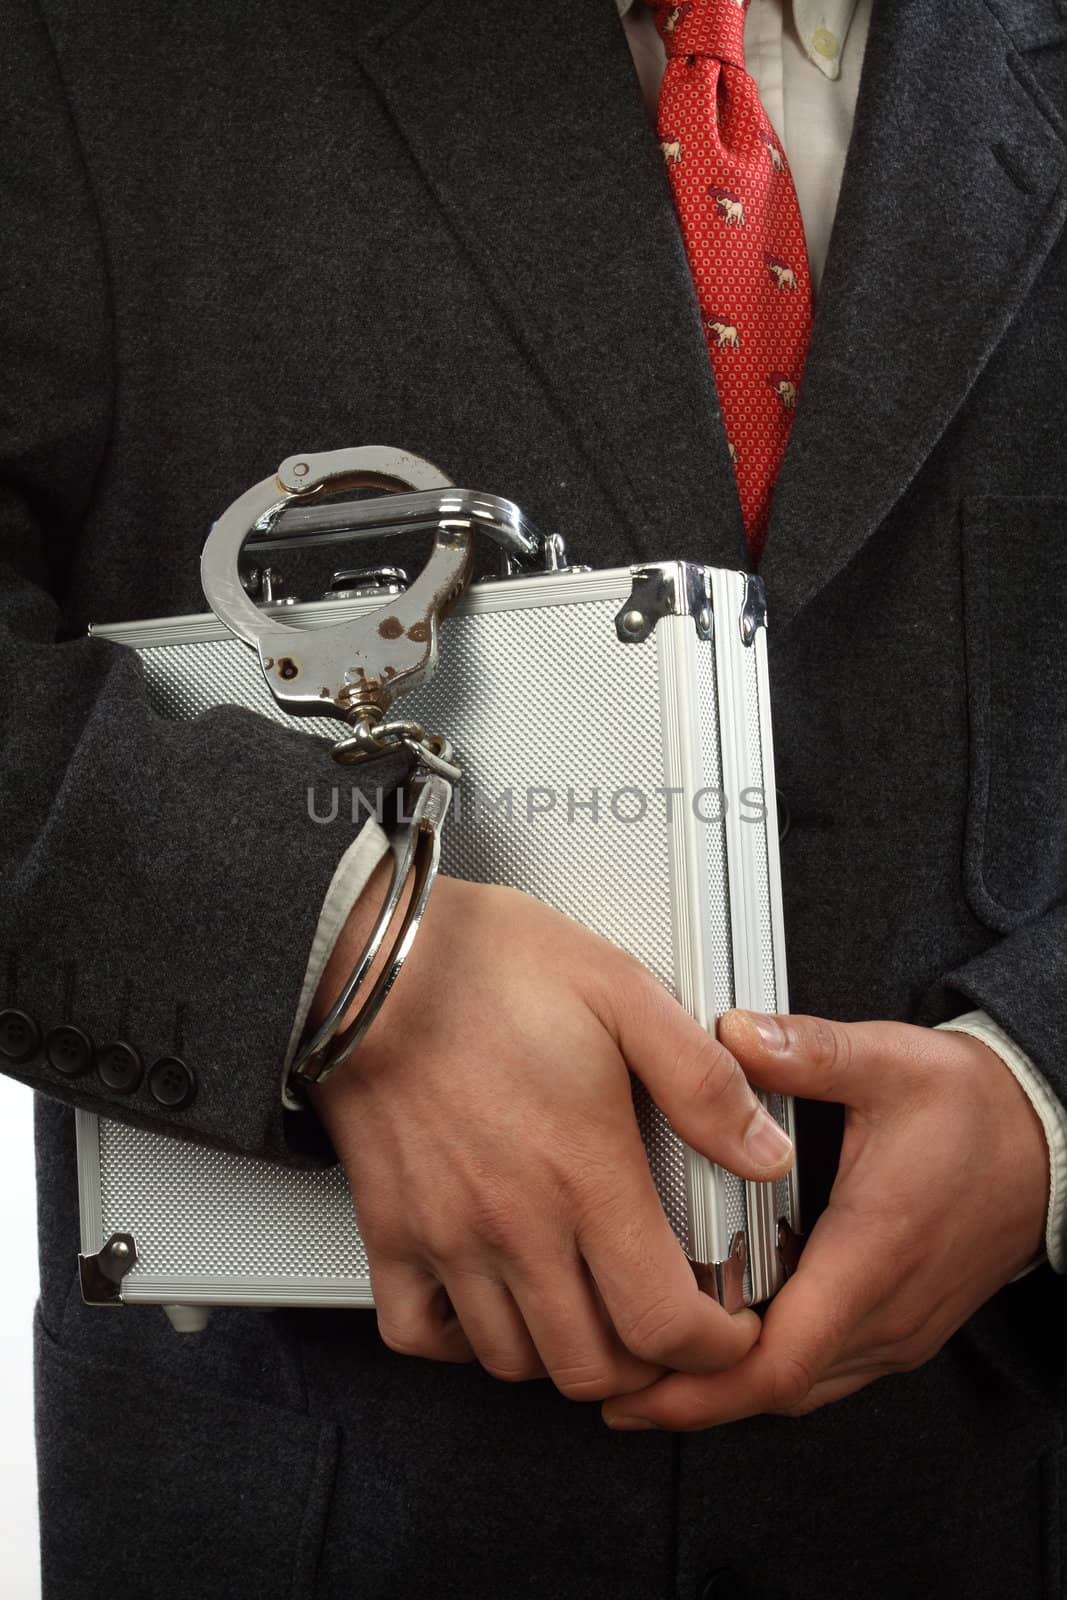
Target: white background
column 19, row 1579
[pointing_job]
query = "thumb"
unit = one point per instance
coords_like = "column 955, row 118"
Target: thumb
column 815, row 1057
column 699, row 1086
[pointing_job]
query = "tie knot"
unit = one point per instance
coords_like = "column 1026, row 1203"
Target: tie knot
column 703, row 28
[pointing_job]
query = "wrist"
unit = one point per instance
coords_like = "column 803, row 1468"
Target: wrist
column 1024, row 1154
column 1049, row 1112
column 351, row 940
column 351, row 943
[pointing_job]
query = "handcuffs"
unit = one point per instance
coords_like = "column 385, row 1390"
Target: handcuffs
column 355, row 669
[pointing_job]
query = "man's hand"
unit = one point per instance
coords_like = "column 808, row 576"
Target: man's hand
column 487, row 1129
column 940, row 1200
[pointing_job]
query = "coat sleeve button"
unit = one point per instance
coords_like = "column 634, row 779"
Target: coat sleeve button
column 20, row 1037
column 119, row 1066
column 69, row 1050
column 171, row 1083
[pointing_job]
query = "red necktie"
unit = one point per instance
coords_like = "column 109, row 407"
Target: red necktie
column 743, row 235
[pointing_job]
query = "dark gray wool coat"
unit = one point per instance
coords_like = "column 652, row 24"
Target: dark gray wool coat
column 235, row 231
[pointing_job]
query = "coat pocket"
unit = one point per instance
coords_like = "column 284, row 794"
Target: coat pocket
column 158, row 1491
column 1015, row 609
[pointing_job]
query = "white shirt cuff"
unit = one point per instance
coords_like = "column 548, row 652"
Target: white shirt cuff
column 1053, row 1116
column 347, row 884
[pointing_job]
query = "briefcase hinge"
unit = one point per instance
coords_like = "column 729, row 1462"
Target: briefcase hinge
column 101, row 1275
column 666, row 589
column 753, row 609
column 724, row 1281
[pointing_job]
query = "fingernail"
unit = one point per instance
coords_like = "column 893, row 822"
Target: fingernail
column 768, row 1028
column 765, row 1141
column 629, row 1424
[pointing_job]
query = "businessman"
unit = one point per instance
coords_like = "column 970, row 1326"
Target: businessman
column 779, row 285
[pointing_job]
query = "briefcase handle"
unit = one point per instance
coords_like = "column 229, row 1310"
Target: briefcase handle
column 359, row 665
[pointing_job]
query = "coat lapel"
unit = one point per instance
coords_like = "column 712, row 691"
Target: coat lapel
column 528, row 126
column 952, row 196
column 530, row 133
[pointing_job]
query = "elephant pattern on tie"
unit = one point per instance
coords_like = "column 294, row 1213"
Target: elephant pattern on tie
column 677, row 15
column 731, row 206
column 726, row 335
column 783, row 274
column 743, row 235
column 774, row 150
column 784, row 388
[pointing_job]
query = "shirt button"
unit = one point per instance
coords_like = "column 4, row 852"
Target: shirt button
column 19, row 1035
column 119, row 1066
column 171, row 1083
column 825, row 43
column 69, row 1050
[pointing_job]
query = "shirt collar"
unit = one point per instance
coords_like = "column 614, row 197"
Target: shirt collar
column 822, row 26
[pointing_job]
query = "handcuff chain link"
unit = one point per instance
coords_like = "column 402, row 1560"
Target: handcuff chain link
column 373, row 735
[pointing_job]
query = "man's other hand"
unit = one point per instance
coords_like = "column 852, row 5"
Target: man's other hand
column 487, row 1129
column 940, row 1200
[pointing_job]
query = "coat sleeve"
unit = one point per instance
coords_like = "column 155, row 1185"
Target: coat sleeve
column 1021, row 982
column 160, row 882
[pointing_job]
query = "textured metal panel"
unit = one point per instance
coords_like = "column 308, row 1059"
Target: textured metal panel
column 556, row 725
column 192, row 1209
column 525, row 697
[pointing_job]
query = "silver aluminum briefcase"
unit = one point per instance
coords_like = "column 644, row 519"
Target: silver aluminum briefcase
column 613, row 730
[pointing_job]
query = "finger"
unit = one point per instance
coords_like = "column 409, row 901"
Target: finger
column 858, row 1064
column 698, row 1085
column 831, row 1390
column 807, row 1337
column 688, row 1411
column 415, row 1316
column 493, row 1324
column 569, row 1326
column 647, row 1285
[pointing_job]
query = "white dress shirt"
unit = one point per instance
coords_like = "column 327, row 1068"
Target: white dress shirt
column 805, row 57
